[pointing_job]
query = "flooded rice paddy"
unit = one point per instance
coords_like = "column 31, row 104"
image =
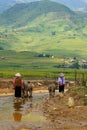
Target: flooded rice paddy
column 22, row 115
column 42, row 113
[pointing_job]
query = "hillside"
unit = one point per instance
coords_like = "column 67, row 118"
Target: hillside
column 24, row 13
column 44, row 27
column 72, row 4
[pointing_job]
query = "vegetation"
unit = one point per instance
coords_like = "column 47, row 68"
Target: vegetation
column 37, row 38
column 44, row 27
column 31, row 65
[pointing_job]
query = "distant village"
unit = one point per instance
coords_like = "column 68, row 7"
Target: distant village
column 74, row 63
column 68, row 62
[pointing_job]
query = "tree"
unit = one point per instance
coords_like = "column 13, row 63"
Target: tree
column 75, row 65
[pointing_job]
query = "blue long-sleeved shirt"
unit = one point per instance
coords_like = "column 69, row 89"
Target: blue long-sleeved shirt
column 61, row 80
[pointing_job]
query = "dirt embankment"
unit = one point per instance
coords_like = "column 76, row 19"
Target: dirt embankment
column 64, row 116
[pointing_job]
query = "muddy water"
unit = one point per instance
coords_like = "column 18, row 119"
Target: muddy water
column 22, row 115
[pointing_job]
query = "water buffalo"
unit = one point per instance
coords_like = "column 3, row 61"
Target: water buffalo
column 51, row 88
column 27, row 91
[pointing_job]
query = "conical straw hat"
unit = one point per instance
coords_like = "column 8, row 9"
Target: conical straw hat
column 18, row 75
column 61, row 75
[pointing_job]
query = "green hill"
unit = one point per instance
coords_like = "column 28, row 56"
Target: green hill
column 22, row 14
column 44, row 27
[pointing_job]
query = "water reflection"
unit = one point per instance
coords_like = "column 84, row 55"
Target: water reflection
column 17, row 106
column 17, row 116
column 21, row 108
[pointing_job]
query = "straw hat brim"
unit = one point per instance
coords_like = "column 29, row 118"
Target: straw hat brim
column 18, row 75
column 61, row 75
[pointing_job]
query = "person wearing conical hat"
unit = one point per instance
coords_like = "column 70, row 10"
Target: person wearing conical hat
column 61, row 82
column 18, row 85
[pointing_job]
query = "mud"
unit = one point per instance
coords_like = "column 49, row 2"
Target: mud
column 55, row 114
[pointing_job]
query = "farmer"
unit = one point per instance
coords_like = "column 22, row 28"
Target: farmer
column 61, row 83
column 18, row 85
